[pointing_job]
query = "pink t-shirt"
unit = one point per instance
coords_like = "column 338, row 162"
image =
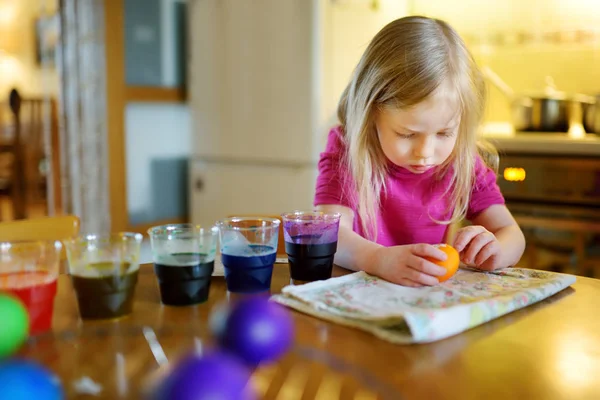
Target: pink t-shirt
column 411, row 201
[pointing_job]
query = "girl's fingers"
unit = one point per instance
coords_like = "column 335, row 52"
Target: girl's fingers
column 428, row 250
column 486, row 252
column 420, row 277
column 465, row 235
column 425, row 266
column 409, row 283
column 478, row 242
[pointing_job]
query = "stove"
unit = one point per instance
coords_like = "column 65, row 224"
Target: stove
column 551, row 184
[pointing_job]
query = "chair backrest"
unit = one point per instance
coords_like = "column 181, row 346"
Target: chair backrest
column 46, row 228
column 489, row 154
column 31, row 117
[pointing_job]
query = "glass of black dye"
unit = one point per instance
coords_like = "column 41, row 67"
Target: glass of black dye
column 184, row 260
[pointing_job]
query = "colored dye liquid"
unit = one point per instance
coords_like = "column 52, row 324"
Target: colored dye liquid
column 37, row 291
column 249, row 270
column 181, row 284
column 105, row 290
column 317, row 231
column 310, row 262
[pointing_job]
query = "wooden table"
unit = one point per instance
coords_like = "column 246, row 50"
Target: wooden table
column 550, row 350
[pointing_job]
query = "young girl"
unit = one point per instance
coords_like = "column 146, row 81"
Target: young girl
column 403, row 164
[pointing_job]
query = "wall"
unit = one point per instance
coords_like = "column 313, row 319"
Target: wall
column 155, row 131
column 525, row 41
column 346, row 28
column 19, row 68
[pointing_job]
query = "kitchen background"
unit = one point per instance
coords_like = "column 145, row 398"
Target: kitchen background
column 220, row 98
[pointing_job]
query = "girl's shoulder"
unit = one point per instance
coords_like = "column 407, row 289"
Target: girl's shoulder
column 482, row 173
column 336, row 142
column 484, row 176
column 480, row 165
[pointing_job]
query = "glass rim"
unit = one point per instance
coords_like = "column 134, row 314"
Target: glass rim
column 138, row 237
column 7, row 244
column 275, row 222
column 163, row 230
column 296, row 215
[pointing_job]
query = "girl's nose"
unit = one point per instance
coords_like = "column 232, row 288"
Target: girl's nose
column 425, row 148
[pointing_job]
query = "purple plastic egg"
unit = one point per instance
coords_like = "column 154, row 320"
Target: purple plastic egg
column 213, row 376
column 258, row 331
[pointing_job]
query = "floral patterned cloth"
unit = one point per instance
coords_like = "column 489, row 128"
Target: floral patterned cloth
column 408, row 315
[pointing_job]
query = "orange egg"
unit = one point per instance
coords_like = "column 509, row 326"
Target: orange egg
column 451, row 263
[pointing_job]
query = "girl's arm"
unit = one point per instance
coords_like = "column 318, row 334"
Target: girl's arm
column 494, row 241
column 404, row 265
column 353, row 252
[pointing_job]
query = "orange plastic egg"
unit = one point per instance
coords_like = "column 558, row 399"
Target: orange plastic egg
column 451, row 263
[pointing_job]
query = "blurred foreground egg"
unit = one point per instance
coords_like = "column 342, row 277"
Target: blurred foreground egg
column 258, row 331
column 26, row 380
column 213, row 376
column 15, row 324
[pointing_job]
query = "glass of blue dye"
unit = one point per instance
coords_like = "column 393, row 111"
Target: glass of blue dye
column 248, row 252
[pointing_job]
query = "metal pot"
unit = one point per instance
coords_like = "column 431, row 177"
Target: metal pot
column 591, row 116
column 540, row 114
column 551, row 111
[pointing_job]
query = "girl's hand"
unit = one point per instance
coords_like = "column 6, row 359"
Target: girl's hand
column 478, row 247
column 406, row 265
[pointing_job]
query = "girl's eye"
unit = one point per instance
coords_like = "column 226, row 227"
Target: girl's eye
column 446, row 134
column 405, row 136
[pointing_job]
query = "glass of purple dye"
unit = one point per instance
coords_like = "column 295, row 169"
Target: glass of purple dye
column 310, row 243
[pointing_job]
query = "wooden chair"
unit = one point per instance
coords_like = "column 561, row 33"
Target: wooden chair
column 489, row 154
column 46, row 228
column 583, row 262
column 32, row 163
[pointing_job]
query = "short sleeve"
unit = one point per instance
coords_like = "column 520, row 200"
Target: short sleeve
column 334, row 182
column 485, row 192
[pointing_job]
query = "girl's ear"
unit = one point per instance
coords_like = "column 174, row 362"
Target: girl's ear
column 375, row 113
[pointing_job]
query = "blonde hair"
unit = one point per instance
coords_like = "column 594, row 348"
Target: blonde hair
column 402, row 66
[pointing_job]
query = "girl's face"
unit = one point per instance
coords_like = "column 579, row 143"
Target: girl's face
column 422, row 136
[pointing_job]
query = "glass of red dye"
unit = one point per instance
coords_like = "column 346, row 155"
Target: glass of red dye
column 29, row 270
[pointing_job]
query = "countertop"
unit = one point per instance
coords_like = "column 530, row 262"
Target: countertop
column 575, row 142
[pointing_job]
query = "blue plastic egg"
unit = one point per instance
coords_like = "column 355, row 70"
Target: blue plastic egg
column 26, row 380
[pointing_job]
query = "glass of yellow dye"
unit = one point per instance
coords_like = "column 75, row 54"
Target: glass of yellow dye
column 104, row 272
